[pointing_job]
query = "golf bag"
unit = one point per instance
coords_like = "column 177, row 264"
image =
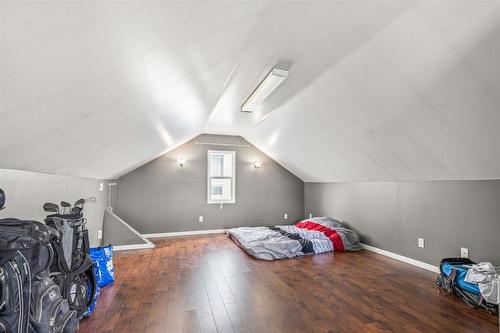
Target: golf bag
column 72, row 269
column 452, row 279
column 2, row 199
column 30, row 302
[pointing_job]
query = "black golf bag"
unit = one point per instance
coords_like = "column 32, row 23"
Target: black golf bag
column 30, row 302
column 72, row 268
column 2, row 199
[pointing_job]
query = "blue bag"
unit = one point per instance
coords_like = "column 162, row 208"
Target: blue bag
column 452, row 279
column 103, row 259
column 461, row 272
column 103, row 270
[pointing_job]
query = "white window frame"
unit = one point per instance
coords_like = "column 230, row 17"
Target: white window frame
column 233, row 178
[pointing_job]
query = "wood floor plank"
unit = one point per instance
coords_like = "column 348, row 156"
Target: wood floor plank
column 157, row 316
column 190, row 322
column 208, row 284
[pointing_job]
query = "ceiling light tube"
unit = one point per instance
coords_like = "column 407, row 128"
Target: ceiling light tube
column 275, row 77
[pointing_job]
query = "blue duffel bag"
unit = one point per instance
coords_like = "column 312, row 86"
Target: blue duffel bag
column 461, row 271
column 452, row 279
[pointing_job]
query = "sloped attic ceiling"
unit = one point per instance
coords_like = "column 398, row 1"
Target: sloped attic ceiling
column 377, row 90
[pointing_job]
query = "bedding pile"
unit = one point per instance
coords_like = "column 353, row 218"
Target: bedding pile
column 314, row 235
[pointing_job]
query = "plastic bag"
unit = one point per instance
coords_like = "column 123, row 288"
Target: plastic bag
column 103, row 259
column 103, row 270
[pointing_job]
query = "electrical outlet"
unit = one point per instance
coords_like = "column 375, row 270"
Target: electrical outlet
column 421, row 243
column 285, row 216
column 200, row 219
column 464, row 252
column 99, row 234
column 310, row 215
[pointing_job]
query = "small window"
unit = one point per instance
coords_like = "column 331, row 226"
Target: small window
column 221, row 177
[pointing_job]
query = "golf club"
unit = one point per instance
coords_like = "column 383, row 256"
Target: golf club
column 65, row 206
column 50, row 207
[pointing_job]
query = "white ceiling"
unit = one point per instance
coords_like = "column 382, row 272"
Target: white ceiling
column 377, row 90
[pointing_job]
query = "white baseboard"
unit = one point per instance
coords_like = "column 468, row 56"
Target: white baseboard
column 399, row 257
column 185, row 233
column 132, row 247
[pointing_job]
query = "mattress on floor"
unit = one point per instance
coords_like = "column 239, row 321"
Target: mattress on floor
column 311, row 236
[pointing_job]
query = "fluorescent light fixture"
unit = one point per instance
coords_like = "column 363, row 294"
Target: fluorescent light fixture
column 275, row 77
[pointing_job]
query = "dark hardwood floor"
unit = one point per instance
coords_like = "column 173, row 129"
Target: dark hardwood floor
column 208, row 284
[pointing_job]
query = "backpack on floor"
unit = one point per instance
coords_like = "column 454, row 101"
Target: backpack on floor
column 452, row 279
column 29, row 301
column 72, row 269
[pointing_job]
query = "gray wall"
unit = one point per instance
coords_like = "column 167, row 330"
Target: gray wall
column 163, row 197
column 117, row 233
column 27, row 191
column 393, row 215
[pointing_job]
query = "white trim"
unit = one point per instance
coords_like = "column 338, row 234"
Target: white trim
column 185, row 233
column 132, row 247
column 399, row 257
column 148, row 244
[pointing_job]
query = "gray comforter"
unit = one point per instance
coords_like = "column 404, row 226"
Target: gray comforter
column 316, row 235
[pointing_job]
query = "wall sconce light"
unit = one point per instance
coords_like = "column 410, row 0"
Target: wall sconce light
column 257, row 164
column 181, row 161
